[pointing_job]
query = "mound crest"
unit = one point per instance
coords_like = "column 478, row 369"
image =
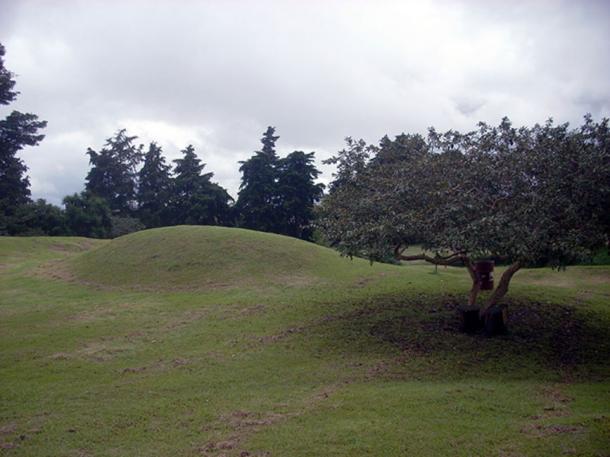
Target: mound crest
column 202, row 257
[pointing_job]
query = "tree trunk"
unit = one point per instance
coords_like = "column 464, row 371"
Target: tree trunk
column 476, row 285
column 502, row 288
column 494, row 315
column 471, row 320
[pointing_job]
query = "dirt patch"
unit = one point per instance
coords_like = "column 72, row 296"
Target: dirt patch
column 159, row 365
column 60, row 356
column 93, row 315
column 557, row 403
column 8, row 429
column 101, row 351
column 540, row 430
column 242, row 424
column 80, row 246
column 366, row 280
column 295, row 280
column 54, row 269
column 184, row 319
column 266, row 339
column 10, row 436
column 251, row 310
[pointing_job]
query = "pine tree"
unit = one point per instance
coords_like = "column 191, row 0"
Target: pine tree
column 16, row 131
column 258, row 202
column 7, row 94
column 154, row 188
column 298, row 193
column 113, row 174
column 196, row 199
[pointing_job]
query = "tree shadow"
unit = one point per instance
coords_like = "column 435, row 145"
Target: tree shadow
column 545, row 341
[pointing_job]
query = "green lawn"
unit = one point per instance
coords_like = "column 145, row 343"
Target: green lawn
column 193, row 341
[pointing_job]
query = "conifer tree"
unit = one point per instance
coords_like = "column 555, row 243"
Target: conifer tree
column 196, row 199
column 16, row 131
column 154, row 188
column 298, row 193
column 258, row 202
column 113, row 174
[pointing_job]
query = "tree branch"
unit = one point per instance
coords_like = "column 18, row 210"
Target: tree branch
column 502, row 287
column 437, row 260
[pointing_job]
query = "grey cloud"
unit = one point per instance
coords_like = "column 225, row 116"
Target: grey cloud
column 217, row 73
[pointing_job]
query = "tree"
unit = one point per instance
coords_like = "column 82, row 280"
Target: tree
column 38, row 218
column 88, row 215
column 196, row 199
column 258, row 200
column 16, row 131
column 154, row 189
column 113, row 173
column 528, row 197
column 7, row 83
column 298, row 193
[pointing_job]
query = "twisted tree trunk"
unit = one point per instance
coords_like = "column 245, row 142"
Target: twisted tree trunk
column 492, row 316
column 476, row 284
column 502, row 288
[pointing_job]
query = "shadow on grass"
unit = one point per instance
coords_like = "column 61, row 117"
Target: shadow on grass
column 545, row 341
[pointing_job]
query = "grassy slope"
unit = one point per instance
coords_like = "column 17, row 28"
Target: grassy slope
column 304, row 354
column 188, row 257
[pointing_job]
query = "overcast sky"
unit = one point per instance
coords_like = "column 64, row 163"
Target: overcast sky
column 216, row 73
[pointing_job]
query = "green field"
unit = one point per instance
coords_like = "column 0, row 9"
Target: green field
column 205, row 341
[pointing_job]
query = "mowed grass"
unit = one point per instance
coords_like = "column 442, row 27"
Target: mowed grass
column 190, row 341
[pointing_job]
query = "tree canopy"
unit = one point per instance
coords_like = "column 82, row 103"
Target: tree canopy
column 298, row 193
column 278, row 195
column 88, row 215
column 17, row 130
column 154, row 188
column 526, row 196
column 258, row 201
column 113, row 173
column 196, row 199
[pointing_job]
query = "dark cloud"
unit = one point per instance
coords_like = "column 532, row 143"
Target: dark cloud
column 215, row 74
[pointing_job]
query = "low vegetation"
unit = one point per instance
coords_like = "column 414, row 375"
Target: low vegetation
column 200, row 341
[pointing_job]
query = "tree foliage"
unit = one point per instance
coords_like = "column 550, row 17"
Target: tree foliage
column 298, row 193
column 113, row 173
column 17, row 130
column 7, row 83
column 88, row 215
column 154, row 188
column 196, row 199
column 278, row 195
column 38, row 218
column 527, row 196
column 258, row 200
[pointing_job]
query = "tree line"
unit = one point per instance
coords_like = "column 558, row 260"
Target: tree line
column 129, row 188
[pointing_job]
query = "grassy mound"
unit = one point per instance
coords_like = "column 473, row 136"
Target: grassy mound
column 195, row 257
column 367, row 361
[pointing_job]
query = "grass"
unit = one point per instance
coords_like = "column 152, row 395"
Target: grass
column 209, row 341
